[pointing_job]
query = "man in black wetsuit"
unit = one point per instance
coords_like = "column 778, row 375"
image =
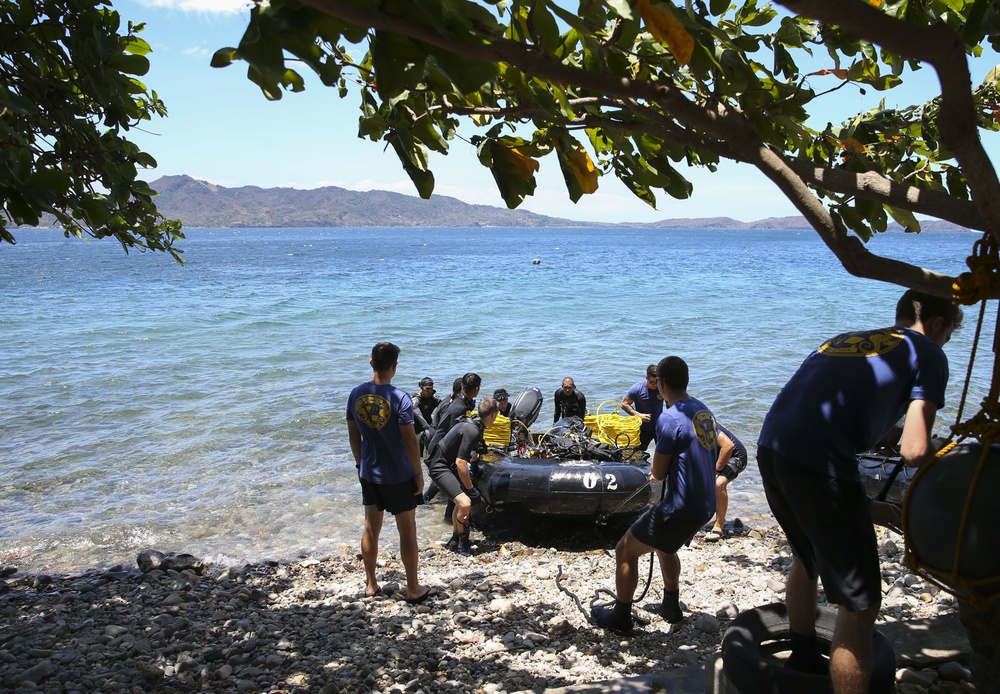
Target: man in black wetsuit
column 569, row 402
column 449, row 463
column 424, row 404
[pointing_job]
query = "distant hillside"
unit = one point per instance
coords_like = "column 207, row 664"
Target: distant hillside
column 202, row 204
column 773, row 223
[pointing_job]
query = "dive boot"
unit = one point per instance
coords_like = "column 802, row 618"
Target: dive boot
column 464, row 547
column 617, row 618
column 452, row 544
column 670, row 607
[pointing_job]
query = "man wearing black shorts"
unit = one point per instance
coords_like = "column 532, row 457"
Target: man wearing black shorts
column 844, row 397
column 449, row 467
column 685, row 455
column 731, row 462
column 384, row 445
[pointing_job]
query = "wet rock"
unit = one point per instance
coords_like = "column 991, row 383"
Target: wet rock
column 954, row 672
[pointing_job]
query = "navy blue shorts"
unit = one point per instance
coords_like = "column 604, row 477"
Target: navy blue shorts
column 733, row 468
column 663, row 532
column 394, row 498
column 829, row 526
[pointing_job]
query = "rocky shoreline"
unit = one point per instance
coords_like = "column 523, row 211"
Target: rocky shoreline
column 513, row 617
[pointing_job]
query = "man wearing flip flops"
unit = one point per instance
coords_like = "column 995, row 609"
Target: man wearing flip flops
column 732, row 461
column 386, row 453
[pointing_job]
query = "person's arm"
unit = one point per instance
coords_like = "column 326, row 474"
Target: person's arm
column 419, row 423
column 661, row 465
column 354, row 436
column 467, row 452
column 555, row 405
column 464, row 476
column 726, row 448
column 627, row 406
column 915, row 446
column 412, row 450
column 583, row 404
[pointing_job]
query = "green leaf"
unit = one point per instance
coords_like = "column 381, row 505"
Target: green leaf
column 224, row 57
column 904, row 218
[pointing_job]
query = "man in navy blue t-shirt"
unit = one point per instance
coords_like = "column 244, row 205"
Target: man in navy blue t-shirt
column 845, row 396
column 645, row 401
column 686, row 442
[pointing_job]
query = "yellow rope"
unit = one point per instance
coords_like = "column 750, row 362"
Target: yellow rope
column 983, row 280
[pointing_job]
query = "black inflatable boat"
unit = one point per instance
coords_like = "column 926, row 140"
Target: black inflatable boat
column 564, row 471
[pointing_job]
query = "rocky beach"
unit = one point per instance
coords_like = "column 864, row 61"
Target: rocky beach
column 514, row 617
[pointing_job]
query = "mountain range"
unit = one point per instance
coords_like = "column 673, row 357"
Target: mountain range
column 202, row 204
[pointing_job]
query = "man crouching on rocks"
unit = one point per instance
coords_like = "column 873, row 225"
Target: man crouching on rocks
column 686, row 441
column 387, row 455
column 449, row 467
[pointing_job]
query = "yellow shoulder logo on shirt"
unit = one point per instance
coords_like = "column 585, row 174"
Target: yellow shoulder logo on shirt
column 869, row 343
column 372, row 410
column 704, row 429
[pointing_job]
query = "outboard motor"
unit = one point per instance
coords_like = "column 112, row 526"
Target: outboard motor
column 526, row 406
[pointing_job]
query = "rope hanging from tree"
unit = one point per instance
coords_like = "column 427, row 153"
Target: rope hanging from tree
column 972, row 287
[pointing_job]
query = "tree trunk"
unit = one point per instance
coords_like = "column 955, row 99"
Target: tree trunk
column 983, row 628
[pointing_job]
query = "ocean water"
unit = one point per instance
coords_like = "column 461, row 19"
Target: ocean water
column 200, row 408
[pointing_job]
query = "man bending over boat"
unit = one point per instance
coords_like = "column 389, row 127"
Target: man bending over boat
column 844, row 397
column 384, row 445
column 731, row 462
column 449, row 467
column 685, row 455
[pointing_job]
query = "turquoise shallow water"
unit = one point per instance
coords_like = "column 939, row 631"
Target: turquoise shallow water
column 200, row 408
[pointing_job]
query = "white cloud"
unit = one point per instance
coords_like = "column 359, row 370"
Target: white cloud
column 197, row 52
column 206, row 6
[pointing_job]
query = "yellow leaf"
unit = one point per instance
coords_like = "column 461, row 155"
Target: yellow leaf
column 583, row 168
column 853, row 145
column 842, row 74
column 524, row 166
column 876, row 3
column 666, row 29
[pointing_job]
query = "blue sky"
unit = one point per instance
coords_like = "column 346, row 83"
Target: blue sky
column 221, row 129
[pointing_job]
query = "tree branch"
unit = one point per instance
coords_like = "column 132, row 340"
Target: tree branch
column 944, row 50
column 877, row 188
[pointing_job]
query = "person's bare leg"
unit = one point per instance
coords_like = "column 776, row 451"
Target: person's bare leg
column 670, row 569
column 851, row 650
column 627, row 554
column 369, row 547
column 800, row 599
column 406, row 526
column 721, row 503
column 463, row 508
